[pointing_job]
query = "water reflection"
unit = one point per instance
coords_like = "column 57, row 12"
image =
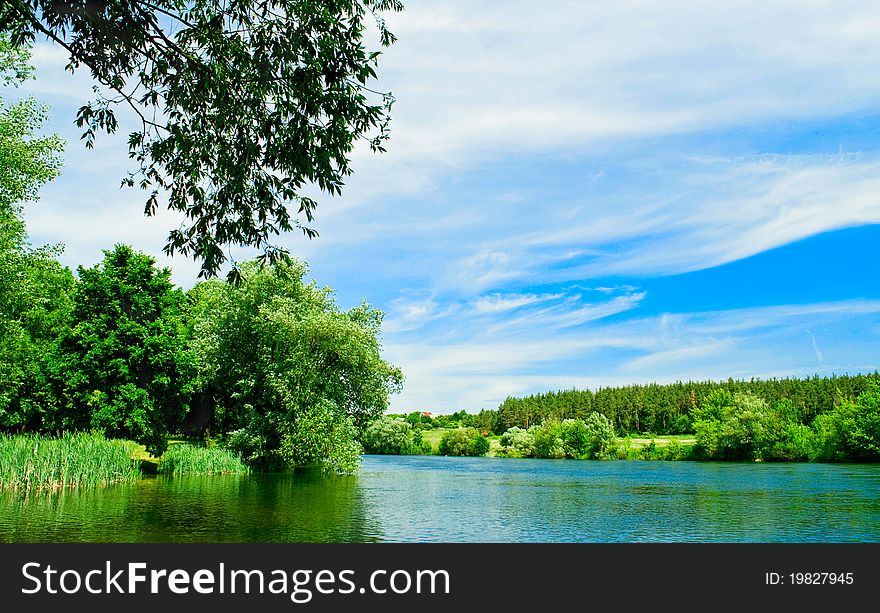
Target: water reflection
column 297, row 506
column 471, row 499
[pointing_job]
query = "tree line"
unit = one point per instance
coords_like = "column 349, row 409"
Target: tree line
column 270, row 365
column 726, row 425
column 669, row 408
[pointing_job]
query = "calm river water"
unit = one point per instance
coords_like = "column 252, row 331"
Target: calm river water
column 420, row 499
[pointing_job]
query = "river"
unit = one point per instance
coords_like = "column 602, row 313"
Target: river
column 440, row 499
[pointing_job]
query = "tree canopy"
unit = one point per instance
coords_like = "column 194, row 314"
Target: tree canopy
column 293, row 378
column 34, row 288
column 243, row 104
column 123, row 365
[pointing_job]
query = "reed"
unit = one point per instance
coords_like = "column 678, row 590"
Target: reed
column 186, row 459
column 32, row 462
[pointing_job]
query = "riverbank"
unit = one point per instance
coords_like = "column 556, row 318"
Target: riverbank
column 638, row 447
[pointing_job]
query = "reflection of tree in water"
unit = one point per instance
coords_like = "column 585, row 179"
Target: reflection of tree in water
column 67, row 516
column 296, row 506
column 421, row 499
column 301, row 506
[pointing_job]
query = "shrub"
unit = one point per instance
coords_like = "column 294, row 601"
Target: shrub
column 480, row 445
column 576, row 439
column 851, row 432
column 548, row 439
column 743, row 427
column 390, row 436
column 603, row 439
column 518, row 443
column 672, row 451
column 463, row 442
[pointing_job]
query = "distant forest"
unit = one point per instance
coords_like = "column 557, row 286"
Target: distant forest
column 667, row 409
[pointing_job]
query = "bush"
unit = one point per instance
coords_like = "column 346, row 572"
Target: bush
column 463, row 442
column 743, row 427
column 548, row 439
column 480, row 445
column 390, row 436
column 649, row 451
column 419, row 445
column 603, row 439
column 517, row 443
column 851, row 432
column 672, row 451
column 576, row 439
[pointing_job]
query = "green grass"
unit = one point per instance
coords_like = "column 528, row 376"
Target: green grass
column 637, row 441
column 433, row 437
column 188, row 459
column 31, row 462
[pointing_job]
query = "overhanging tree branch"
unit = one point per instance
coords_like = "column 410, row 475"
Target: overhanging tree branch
column 261, row 99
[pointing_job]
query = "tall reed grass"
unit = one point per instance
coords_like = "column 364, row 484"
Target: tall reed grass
column 186, row 459
column 31, row 462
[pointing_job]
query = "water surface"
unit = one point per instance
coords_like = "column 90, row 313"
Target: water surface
column 439, row 499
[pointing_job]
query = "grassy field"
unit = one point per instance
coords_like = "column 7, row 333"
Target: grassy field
column 637, row 442
column 433, row 437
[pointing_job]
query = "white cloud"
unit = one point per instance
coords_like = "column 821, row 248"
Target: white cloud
column 479, row 367
column 535, row 145
column 476, row 82
column 524, row 76
column 499, row 303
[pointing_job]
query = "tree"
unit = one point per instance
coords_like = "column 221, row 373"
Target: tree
column 603, row 439
column 243, row 105
column 518, row 443
column 575, row 438
column 124, row 366
column 281, row 364
column 851, row 432
column 547, row 439
column 390, row 436
column 463, row 442
column 34, row 289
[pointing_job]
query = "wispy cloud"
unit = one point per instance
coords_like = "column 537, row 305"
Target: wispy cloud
column 544, row 161
column 478, row 369
column 819, row 356
column 499, row 303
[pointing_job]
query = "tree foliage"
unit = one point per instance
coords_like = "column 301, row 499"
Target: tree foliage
column 851, row 432
column 243, row 105
column 34, row 288
column 670, row 408
column 463, row 442
column 124, row 366
column 518, row 443
column 593, row 438
column 281, row 363
column 391, row 436
column 601, row 438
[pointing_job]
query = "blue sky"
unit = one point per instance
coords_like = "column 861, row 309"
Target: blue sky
column 580, row 194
